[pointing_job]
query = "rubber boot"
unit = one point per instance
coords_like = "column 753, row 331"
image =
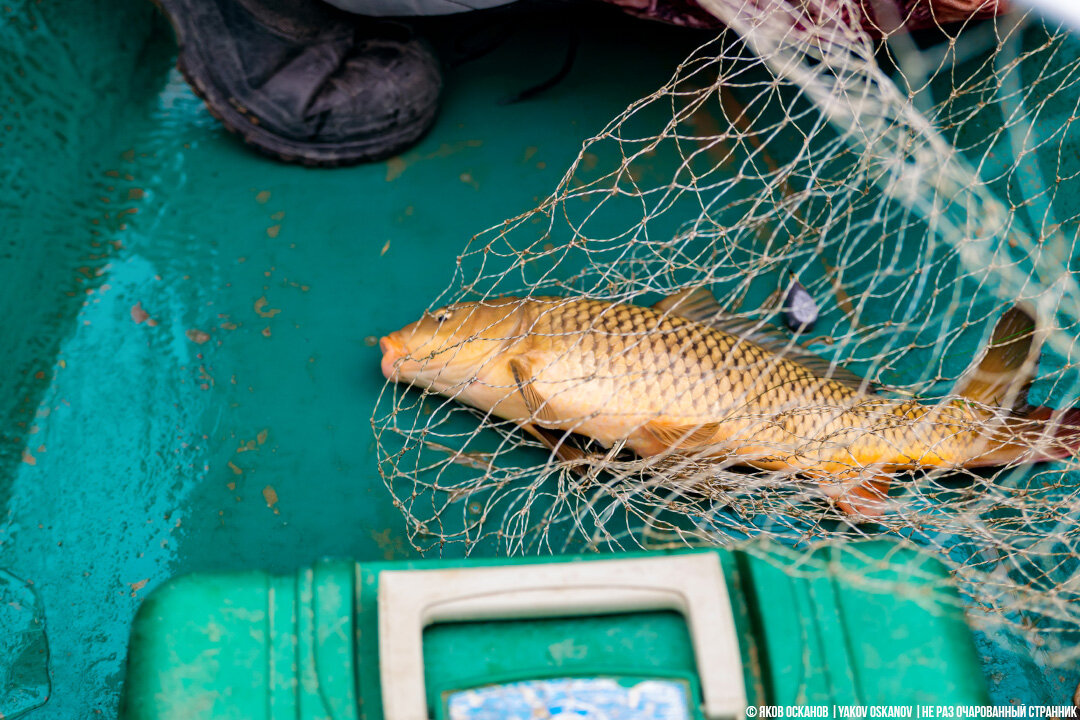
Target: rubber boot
column 304, row 82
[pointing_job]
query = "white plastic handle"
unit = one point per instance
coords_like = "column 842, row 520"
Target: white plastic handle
column 691, row 584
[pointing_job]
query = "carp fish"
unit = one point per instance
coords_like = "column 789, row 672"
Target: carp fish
column 682, row 377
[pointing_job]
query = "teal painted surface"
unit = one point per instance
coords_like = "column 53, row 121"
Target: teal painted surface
column 130, row 451
column 24, row 648
column 148, row 454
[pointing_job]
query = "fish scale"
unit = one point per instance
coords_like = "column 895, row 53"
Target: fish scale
column 651, row 363
column 681, row 377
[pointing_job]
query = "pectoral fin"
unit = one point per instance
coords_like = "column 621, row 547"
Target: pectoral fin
column 682, row 436
column 536, row 403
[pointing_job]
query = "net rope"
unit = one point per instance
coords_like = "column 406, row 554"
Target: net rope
column 917, row 187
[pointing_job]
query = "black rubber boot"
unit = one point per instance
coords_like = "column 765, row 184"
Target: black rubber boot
column 304, row 82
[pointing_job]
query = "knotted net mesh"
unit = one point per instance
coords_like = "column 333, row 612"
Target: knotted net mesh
column 916, row 186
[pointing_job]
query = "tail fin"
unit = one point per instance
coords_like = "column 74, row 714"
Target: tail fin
column 1066, row 430
column 1035, row 435
column 1001, row 379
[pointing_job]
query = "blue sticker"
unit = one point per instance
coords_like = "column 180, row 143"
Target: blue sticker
column 574, row 699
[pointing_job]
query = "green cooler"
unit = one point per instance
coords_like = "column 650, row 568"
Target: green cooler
column 697, row 635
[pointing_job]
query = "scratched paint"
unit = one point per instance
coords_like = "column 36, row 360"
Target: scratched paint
column 190, row 377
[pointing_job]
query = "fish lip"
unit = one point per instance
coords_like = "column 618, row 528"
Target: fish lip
column 393, row 351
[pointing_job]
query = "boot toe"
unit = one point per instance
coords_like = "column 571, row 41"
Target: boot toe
column 340, row 96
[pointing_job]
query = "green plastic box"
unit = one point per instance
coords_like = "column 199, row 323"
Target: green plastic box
column 870, row 623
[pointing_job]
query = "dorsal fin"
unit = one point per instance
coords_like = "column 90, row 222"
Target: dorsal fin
column 697, row 304
column 1003, row 375
column 700, row 306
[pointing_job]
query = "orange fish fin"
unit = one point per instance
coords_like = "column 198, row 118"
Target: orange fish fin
column 697, row 304
column 675, row 436
column 557, row 442
column 1036, row 434
column 701, row 306
column 535, row 402
column 1007, row 367
column 866, row 499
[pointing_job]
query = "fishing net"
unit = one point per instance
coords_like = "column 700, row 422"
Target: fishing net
column 916, row 185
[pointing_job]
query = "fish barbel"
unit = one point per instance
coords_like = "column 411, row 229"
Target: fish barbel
column 682, row 377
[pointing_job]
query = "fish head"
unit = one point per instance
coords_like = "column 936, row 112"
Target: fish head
column 449, row 345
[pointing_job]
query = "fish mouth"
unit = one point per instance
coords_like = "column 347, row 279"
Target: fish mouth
column 393, row 351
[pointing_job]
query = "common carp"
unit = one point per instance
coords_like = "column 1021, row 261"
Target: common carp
column 681, row 377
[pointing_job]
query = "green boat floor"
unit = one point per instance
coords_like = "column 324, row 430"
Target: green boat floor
column 190, row 327
column 194, row 364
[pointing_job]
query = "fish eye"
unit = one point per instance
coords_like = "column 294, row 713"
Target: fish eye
column 442, row 315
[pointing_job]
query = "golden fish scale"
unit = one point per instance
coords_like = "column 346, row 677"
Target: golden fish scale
column 629, row 361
